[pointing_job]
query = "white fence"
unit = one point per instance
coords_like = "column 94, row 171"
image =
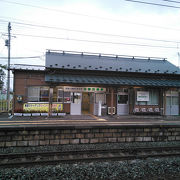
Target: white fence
column 4, row 106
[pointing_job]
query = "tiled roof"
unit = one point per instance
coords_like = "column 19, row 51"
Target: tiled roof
column 131, row 81
column 109, row 63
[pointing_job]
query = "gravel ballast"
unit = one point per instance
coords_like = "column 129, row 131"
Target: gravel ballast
column 154, row 169
column 149, row 169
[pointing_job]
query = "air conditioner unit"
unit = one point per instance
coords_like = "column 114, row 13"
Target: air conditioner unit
column 109, row 110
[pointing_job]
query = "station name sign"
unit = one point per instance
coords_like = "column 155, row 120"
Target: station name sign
column 84, row 89
column 142, row 95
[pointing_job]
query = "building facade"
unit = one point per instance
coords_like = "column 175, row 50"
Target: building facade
column 84, row 83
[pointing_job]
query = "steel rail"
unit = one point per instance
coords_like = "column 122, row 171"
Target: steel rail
column 88, row 156
column 68, row 161
column 47, row 153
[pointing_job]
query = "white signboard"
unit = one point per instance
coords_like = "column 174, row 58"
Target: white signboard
column 142, row 95
column 84, row 89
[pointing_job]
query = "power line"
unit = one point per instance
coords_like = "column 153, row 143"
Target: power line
column 32, row 57
column 30, row 65
column 2, row 49
column 89, row 16
column 127, row 22
column 156, row 4
column 95, row 33
column 171, row 1
column 56, row 10
column 45, row 8
column 95, row 41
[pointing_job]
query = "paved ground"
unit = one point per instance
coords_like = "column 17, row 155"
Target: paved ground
column 86, row 120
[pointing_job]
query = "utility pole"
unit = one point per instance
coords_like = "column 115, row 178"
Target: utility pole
column 178, row 59
column 8, row 44
column 178, row 55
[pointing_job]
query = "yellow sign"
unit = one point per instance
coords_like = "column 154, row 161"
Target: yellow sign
column 38, row 107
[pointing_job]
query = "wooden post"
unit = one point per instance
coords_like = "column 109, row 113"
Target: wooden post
column 50, row 101
column 164, row 102
column 161, row 101
column 112, row 98
column 179, row 102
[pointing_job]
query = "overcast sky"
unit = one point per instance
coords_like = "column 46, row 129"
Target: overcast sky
column 101, row 26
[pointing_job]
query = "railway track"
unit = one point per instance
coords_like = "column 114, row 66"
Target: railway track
column 55, row 157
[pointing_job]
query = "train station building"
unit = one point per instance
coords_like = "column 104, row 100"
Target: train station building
column 98, row 84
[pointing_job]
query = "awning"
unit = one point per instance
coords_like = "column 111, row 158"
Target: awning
column 111, row 80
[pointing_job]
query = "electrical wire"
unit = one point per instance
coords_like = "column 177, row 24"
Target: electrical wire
column 156, row 4
column 95, row 33
column 122, row 21
column 84, row 40
column 2, row 49
column 30, row 65
column 32, row 57
column 80, row 14
column 94, row 41
column 171, row 1
column 45, row 8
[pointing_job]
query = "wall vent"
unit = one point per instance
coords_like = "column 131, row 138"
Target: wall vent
column 109, row 110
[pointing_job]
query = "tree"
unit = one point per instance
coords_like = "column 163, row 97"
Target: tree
column 2, row 75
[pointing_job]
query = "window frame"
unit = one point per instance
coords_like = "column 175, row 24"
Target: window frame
column 38, row 97
column 151, row 94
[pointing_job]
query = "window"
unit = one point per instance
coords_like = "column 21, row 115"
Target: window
column 38, row 94
column 44, row 94
column 63, row 96
column 33, row 94
column 153, row 98
column 60, row 95
column 67, row 97
column 175, row 100
column 123, row 90
column 76, row 98
column 172, row 98
column 100, row 97
column 122, row 99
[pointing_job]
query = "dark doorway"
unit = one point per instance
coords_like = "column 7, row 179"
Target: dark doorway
column 85, row 103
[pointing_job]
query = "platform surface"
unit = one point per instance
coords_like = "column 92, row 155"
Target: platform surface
column 87, row 120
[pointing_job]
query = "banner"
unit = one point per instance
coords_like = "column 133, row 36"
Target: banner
column 38, row 107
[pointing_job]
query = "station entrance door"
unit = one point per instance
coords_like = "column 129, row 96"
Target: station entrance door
column 172, row 103
column 85, row 103
column 122, row 103
column 76, row 103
